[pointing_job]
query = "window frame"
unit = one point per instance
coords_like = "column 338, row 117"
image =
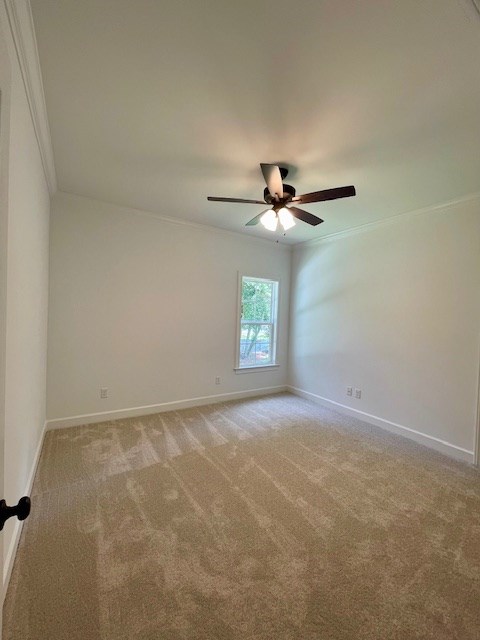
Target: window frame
column 274, row 323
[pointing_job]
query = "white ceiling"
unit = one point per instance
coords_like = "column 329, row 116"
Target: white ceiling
column 155, row 105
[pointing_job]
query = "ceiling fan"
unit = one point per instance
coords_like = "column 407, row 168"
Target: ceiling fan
column 278, row 195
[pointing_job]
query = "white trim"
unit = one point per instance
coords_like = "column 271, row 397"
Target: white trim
column 275, row 280
column 15, row 539
column 91, row 418
column 159, row 217
column 23, row 33
column 256, row 368
column 368, row 226
column 238, row 317
column 422, row 438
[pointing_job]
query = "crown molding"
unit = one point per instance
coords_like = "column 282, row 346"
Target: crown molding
column 20, row 20
column 399, row 217
column 183, row 222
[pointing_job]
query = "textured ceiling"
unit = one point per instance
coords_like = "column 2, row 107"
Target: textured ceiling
column 155, row 105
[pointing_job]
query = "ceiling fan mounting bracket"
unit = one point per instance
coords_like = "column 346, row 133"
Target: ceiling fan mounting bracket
column 288, row 194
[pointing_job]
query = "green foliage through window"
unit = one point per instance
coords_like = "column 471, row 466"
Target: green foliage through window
column 258, row 316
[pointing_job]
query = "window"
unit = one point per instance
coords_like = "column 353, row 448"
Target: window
column 257, row 335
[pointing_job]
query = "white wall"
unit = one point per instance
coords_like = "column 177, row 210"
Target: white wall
column 27, row 298
column 4, row 149
column 394, row 311
column 147, row 308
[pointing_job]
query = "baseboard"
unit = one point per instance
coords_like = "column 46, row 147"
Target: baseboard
column 9, row 557
column 422, row 438
column 91, row 418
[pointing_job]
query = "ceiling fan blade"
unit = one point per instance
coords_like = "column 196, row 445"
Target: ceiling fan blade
column 256, row 220
column 326, row 194
column 309, row 218
column 273, row 178
column 214, row 199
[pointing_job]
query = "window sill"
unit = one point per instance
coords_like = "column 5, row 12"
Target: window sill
column 256, row 368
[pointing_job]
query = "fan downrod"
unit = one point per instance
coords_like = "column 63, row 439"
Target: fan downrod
column 288, row 193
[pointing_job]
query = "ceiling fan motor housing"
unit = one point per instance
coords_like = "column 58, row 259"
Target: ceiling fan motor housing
column 288, row 190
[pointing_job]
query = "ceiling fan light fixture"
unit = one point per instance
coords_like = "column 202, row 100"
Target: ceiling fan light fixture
column 286, row 219
column 278, row 195
column 269, row 220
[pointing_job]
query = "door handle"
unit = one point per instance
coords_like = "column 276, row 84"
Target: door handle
column 21, row 510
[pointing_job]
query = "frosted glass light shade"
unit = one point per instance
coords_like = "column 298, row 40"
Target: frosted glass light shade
column 269, row 220
column 286, row 219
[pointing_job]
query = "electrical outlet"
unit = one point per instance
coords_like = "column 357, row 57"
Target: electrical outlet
column 358, row 394
column 217, row 380
column 103, row 393
column 349, row 391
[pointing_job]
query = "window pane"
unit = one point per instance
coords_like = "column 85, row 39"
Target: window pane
column 255, row 344
column 258, row 322
column 257, row 300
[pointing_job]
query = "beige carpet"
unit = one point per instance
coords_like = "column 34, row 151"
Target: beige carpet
column 262, row 519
